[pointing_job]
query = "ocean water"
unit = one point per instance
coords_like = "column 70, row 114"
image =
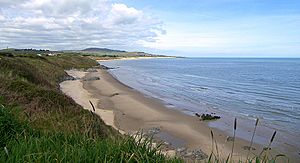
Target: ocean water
column 268, row 89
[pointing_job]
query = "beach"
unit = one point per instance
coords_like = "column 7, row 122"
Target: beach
column 130, row 111
column 103, row 59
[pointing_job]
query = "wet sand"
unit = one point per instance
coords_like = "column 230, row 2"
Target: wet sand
column 129, row 111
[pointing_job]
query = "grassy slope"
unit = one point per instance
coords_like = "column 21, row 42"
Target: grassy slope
column 38, row 123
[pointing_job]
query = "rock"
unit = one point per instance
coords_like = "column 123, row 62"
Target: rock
column 197, row 154
column 170, row 153
column 248, row 148
column 154, row 130
column 229, row 138
column 115, row 94
column 179, row 150
column 198, row 115
column 66, row 78
column 105, row 67
column 206, row 117
column 91, row 70
column 69, row 78
column 91, row 78
column 266, row 148
column 167, row 143
column 188, row 154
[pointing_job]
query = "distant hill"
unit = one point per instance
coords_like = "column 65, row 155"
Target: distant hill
column 88, row 51
column 121, row 53
column 102, row 50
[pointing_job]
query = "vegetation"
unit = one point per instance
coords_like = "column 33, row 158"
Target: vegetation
column 20, row 143
column 38, row 123
column 265, row 155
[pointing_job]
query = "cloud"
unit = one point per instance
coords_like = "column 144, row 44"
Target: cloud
column 121, row 14
column 10, row 2
column 68, row 24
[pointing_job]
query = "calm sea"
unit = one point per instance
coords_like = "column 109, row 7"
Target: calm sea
column 268, row 89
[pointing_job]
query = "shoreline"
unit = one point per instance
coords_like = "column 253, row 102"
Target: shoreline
column 133, row 58
column 114, row 105
column 285, row 142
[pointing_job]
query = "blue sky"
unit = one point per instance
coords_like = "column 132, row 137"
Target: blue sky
column 208, row 28
column 242, row 28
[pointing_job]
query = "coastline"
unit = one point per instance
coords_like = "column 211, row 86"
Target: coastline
column 132, row 58
column 117, row 105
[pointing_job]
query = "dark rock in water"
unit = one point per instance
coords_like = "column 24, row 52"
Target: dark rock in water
column 205, row 117
column 198, row 115
column 91, row 78
column 266, row 148
column 248, row 148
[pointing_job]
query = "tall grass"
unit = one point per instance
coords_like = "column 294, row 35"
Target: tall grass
column 252, row 138
column 21, row 143
column 263, row 157
column 234, row 131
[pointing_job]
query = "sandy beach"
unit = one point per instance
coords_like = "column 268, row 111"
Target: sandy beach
column 129, row 111
column 130, row 58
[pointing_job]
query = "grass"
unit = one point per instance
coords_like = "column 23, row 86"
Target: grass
column 25, row 144
column 38, row 123
column 265, row 155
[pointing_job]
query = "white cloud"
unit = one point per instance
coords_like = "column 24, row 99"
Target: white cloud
column 121, row 14
column 68, row 24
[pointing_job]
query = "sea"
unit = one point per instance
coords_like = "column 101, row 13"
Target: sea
column 242, row 88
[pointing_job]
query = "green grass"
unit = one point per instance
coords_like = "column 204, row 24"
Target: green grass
column 21, row 143
column 265, row 155
column 38, row 123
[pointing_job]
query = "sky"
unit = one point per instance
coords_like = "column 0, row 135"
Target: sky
column 195, row 28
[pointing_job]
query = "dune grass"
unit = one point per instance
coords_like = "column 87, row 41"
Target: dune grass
column 265, row 155
column 21, row 143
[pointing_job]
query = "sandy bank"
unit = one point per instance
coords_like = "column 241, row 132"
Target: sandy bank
column 74, row 89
